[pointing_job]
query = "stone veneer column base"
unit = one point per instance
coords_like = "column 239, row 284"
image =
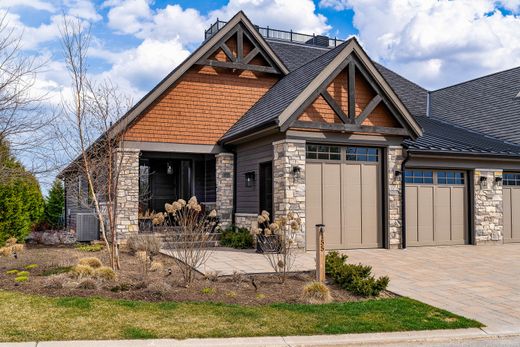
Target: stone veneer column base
column 489, row 222
column 288, row 188
column 224, row 175
column 395, row 157
column 127, row 195
column 246, row 220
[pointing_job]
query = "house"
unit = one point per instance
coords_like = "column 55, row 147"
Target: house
column 262, row 119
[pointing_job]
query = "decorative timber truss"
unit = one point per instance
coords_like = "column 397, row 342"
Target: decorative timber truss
column 237, row 49
column 350, row 122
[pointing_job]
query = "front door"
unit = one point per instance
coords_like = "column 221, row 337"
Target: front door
column 266, row 187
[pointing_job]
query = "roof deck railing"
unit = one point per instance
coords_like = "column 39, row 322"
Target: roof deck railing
column 282, row 35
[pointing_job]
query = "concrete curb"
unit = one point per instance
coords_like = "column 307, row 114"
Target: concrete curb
column 430, row 336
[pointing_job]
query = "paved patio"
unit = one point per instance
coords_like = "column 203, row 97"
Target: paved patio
column 225, row 261
column 481, row 282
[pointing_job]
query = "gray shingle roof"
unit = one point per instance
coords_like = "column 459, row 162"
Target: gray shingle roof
column 444, row 137
column 268, row 108
column 462, row 116
column 487, row 105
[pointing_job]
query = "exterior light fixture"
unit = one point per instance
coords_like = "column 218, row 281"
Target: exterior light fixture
column 169, row 168
column 483, row 182
column 397, row 173
column 250, row 178
column 296, row 171
column 498, row 180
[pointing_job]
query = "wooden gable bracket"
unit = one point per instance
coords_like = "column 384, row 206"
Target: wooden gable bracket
column 240, row 62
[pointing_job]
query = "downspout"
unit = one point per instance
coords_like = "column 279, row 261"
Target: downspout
column 403, row 203
column 234, row 188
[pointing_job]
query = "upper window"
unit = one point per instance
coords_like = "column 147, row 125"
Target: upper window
column 362, row 154
column 511, row 179
column 323, row 152
column 418, row 176
column 450, row 177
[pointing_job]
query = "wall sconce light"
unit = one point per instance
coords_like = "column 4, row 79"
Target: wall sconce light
column 296, row 171
column 397, row 173
column 169, row 168
column 498, row 180
column 483, row 182
column 250, row 178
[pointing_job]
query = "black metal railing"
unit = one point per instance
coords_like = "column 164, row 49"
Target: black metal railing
column 282, row 35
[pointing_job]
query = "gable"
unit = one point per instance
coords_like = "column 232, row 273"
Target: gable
column 320, row 110
column 204, row 103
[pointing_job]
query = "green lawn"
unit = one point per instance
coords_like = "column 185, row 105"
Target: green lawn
column 37, row 318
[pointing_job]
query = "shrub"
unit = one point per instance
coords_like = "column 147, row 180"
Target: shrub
column 156, row 266
column 57, row 270
column 11, row 272
column 208, row 291
column 105, row 273
column 11, row 247
column 93, row 262
column 23, row 273
column 89, row 248
column 235, row 237
column 88, row 284
column 150, row 244
column 357, row 279
column 316, row 293
column 31, row 266
column 21, row 279
column 54, row 205
column 82, row 271
column 55, row 282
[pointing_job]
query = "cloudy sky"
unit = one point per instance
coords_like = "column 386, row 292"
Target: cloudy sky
column 136, row 42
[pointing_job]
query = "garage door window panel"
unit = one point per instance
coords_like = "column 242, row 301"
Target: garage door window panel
column 450, row 177
column 511, row 179
column 322, row 152
column 362, row 154
column 418, row 176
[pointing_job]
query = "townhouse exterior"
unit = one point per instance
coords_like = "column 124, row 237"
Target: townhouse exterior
column 261, row 119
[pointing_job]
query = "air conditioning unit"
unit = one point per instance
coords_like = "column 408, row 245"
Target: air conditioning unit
column 87, row 227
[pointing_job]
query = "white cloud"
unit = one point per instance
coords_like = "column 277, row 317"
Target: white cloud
column 84, row 9
column 298, row 15
column 128, row 17
column 35, row 4
column 437, row 43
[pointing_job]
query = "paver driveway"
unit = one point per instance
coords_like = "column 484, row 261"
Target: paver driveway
column 479, row 282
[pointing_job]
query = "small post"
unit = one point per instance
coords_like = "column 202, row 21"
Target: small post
column 320, row 253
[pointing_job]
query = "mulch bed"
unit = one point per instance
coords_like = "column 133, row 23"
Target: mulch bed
column 226, row 289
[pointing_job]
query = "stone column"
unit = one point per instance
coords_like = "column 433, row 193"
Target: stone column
column 288, row 187
column 489, row 222
column 127, row 195
column 395, row 157
column 224, row 175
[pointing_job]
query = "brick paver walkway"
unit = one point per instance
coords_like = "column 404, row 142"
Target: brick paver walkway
column 479, row 282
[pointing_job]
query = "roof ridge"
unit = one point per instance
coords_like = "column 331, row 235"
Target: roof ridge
column 297, row 44
column 476, row 78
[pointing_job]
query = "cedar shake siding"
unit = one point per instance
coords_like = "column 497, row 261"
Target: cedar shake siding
column 200, row 107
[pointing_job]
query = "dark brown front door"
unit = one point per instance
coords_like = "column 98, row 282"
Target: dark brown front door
column 266, row 187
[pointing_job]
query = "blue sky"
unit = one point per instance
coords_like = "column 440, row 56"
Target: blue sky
column 135, row 43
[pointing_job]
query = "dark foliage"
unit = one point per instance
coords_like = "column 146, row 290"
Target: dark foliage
column 236, row 238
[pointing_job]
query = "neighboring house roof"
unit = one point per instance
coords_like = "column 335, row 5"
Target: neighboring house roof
column 487, row 104
column 279, row 104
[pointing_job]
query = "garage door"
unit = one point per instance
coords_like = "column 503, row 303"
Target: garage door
column 343, row 191
column 511, row 187
column 436, row 207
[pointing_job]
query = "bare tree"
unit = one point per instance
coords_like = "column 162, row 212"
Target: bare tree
column 22, row 118
column 85, row 128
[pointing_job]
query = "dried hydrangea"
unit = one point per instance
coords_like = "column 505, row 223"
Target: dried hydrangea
column 182, row 202
column 261, row 219
column 177, row 206
column 212, row 214
column 169, row 208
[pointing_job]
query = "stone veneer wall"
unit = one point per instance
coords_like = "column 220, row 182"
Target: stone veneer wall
column 395, row 157
column 224, row 175
column 246, row 220
column 127, row 197
column 288, row 190
column 489, row 222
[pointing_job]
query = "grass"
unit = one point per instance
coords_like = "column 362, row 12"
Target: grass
column 40, row 318
column 57, row 270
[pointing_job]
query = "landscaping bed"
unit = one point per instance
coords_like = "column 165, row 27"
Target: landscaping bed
column 131, row 284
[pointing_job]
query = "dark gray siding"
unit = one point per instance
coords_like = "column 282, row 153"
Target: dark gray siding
column 249, row 157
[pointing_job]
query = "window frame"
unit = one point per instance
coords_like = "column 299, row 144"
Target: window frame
column 422, row 176
column 506, row 180
column 343, row 153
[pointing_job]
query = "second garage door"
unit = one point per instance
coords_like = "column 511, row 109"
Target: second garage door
column 511, row 201
column 343, row 191
column 436, row 207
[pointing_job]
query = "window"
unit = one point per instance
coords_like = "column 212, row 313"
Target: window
column 418, row 176
column 362, row 154
column 323, row 152
column 450, row 177
column 511, row 179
